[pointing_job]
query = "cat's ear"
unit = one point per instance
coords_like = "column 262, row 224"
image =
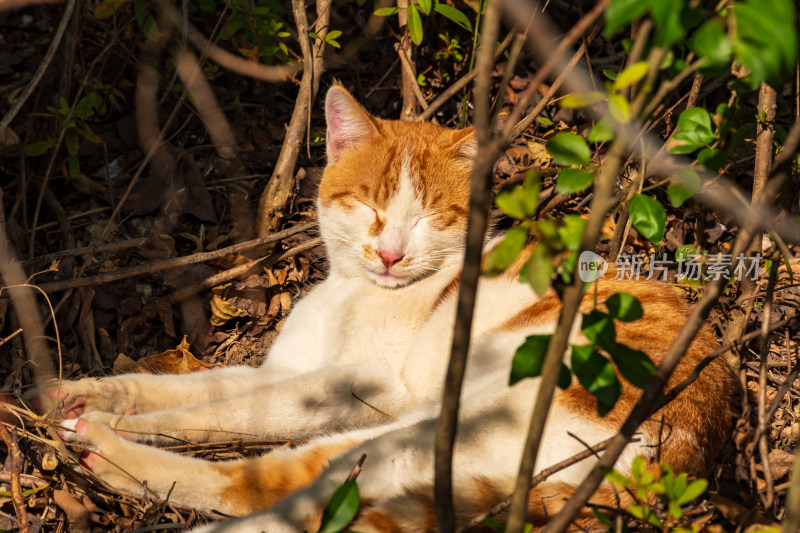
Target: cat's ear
column 465, row 142
column 348, row 124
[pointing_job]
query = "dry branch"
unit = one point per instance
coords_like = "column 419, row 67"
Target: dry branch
column 281, row 185
column 173, row 262
column 48, row 56
column 234, row 63
column 650, row 394
column 206, row 104
column 479, row 196
column 12, row 445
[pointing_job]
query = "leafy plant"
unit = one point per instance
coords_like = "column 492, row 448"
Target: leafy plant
column 76, row 124
column 424, row 7
column 660, row 494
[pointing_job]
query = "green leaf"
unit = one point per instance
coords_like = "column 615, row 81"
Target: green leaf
column 571, row 231
column 711, row 41
column 694, row 490
column 602, row 131
column 601, row 517
column 387, row 11
column 619, row 108
column 619, row 479
column 72, row 141
column 578, row 100
column 766, row 40
column 610, row 74
column 73, row 165
column 695, row 119
column 425, row 6
column 598, row 327
column 529, row 358
column 634, row 365
column 453, row 14
column 596, row 374
column 624, row 307
column 520, row 201
column 568, row 149
column 711, row 158
column 538, row 272
column 630, row 75
column 572, row 180
column 688, row 184
column 506, row 251
column 620, row 12
column 414, row 24
column 675, row 510
column 341, row 508
column 644, row 513
column 648, row 217
column 638, row 466
column 38, row 148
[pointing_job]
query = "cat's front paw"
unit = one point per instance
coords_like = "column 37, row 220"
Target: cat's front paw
column 107, row 455
column 75, row 398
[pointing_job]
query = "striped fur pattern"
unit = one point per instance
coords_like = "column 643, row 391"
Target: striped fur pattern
column 359, row 367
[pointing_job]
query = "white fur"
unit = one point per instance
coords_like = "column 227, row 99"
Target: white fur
column 362, row 356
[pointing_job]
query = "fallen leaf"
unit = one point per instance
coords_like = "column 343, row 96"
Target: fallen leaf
column 176, row 361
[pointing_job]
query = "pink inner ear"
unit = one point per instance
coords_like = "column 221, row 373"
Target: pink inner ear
column 348, row 124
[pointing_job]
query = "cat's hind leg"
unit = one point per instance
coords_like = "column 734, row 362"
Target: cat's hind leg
column 237, row 487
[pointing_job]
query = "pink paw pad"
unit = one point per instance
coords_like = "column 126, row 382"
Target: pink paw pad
column 88, row 459
column 76, row 408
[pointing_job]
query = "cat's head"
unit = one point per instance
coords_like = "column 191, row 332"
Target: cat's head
column 393, row 199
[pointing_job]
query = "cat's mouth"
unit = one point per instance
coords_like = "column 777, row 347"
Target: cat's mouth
column 389, row 280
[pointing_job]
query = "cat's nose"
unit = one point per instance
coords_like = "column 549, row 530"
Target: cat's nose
column 389, row 258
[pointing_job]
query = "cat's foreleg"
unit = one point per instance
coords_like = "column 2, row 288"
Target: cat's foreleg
column 321, row 402
column 145, row 393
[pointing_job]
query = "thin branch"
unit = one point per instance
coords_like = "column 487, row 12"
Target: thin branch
column 11, row 442
column 48, row 58
column 479, row 196
column 408, row 70
column 650, row 394
column 234, row 63
column 281, row 185
column 462, row 82
column 173, row 262
column 763, row 421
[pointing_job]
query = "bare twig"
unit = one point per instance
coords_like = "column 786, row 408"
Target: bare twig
column 536, row 480
column 46, row 60
column 480, row 193
column 465, row 80
column 235, row 272
column 650, row 394
column 110, row 247
column 10, row 440
column 764, row 135
column 409, row 109
column 281, row 185
column 791, row 520
column 206, row 104
column 173, row 262
column 240, row 65
column 408, row 70
column 763, row 421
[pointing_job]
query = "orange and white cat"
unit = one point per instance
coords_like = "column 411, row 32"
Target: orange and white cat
column 359, row 367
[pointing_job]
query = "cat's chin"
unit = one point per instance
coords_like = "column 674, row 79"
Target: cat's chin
column 389, row 281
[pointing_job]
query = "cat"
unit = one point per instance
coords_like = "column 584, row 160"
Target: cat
column 359, row 367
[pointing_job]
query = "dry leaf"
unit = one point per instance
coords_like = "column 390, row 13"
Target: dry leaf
column 780, row 462
column 177, row 361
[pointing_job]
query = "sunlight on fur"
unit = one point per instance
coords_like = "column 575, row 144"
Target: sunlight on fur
column 392, row 211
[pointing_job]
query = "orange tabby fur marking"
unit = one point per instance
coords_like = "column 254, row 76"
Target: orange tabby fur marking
column 359, row 366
